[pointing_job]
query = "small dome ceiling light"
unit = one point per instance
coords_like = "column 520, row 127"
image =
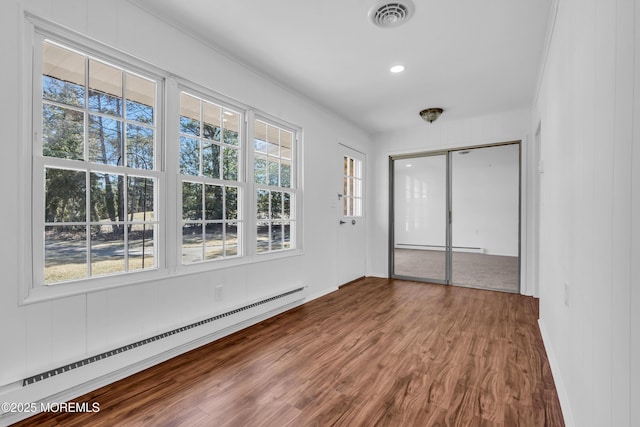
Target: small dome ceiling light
column 431, row 114
column 397, row 69
column 387, row 14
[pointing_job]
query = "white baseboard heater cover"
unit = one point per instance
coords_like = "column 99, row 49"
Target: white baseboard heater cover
column 106, row 354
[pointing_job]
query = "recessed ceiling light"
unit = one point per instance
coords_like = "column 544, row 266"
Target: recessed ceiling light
column 397, row 68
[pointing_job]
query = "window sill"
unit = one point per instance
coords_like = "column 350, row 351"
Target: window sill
column 205, row 266
column 63, row 290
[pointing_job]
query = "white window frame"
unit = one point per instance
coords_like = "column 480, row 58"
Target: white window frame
column 358, row 183
column 32, row 287
column 168, row 193
column 295, row 189
column 209, row 96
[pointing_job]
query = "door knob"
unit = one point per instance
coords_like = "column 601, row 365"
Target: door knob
column 342, row 222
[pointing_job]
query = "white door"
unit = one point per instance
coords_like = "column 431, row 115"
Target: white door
column 351, row 223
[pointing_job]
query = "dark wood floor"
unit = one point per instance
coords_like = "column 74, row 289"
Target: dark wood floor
column 376, row 352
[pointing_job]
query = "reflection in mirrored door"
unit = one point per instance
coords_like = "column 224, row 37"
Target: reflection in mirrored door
column 485, row 203
column 420, row 218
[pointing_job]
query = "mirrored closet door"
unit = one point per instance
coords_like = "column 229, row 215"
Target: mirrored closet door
column 455, row 217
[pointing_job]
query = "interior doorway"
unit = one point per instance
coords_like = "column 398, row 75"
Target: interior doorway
column 455, row 217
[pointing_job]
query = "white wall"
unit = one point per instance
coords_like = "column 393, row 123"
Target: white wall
column 585, row 106
column 439, row 135
column 41, row 336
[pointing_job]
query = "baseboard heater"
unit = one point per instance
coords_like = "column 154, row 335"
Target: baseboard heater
column 39, row 377
column 439, row 248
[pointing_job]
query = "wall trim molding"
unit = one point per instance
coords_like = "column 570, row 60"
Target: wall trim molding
column 563, row 395
column 322, row 293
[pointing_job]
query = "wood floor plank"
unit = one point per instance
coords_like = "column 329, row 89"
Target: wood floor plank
column 378, row 352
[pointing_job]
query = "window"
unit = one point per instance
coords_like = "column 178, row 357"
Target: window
column 273, row 170
column 352, row 196
column 95, row 167
column 210, row 171
column 103, row 210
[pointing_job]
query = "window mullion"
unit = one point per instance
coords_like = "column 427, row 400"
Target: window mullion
column 221, row 144
column 224, row 220
column 126, row 222
column 203, row 219
column 251, row 189
column 124, row 147
column 88, row 220
column 171, row 203
column 85, row 110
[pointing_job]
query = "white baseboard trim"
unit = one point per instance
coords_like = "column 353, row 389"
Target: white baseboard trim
column 320, row 294
column 563, row 396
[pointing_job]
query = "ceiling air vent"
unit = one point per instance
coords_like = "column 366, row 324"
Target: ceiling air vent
column 388, row 15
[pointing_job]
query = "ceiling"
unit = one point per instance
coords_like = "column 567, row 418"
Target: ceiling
column 469, row 57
